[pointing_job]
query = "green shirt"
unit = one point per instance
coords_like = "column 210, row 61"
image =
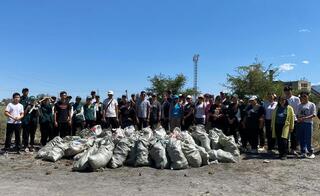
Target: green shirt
column 89, row 112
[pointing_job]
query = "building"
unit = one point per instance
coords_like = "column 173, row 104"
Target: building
column 300, row 85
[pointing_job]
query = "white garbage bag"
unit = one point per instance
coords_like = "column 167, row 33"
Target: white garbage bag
column 192, row 154
column 160, row 133
column 128, row 131
column 56, row 153
column 204, row 155
column 120, row 153
column 221, row 156
column 48, row 147
column 142, row 152
column 177, row 158
column 159, row 155
column 201, row 137
column 82, row 163
column 76, row 147
column 102, row 157
column 214, row 140
column 229, row 145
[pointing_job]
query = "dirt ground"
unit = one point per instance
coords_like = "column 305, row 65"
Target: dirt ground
column 24, row 175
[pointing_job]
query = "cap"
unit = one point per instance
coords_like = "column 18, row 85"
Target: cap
column 252, row 98
column 110, row 92
column 78, row 97
column 143, row 92
column 32, row 98
column 201, row 96
column 154, row 94
column 189, row 97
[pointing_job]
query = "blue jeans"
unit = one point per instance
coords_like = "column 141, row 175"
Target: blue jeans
column 305, row 136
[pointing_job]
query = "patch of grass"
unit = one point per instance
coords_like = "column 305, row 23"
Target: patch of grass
column 3, row 123
column 316, row 133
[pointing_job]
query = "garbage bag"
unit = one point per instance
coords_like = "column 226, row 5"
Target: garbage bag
column 201, row 137
column 160, row 133
column 187, row 138
column 120, row 153
column 159, row 155
column 82, row 163
column 214, row 140
column 102, row 157
column 192, row 154
column 76, row 147
column 128, row 131
column 204, row 155
column 48, row 147
column 177, row 158
column 56, row 153
column 221, row 156
column 142, row 152
column 229, row 145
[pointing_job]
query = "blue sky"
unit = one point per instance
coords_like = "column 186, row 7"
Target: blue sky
column 80, row 45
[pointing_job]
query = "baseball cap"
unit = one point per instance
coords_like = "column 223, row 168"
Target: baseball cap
column 252, row 98
column 110, row 92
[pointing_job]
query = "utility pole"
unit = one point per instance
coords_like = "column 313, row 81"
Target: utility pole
column 195, row 82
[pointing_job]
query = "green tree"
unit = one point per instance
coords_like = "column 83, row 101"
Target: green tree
column 254, row 79
column 161, row 83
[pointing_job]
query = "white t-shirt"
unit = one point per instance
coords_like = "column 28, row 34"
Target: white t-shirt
column 269, row 107
column 15, row 110
column 294, row 102
column 111, row 110
column 200, row 111
column 307, row 109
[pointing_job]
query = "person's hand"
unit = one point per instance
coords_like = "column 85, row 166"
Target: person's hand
column 69, row 122
column 300, row 119
column 56, row 124
column 291, row 130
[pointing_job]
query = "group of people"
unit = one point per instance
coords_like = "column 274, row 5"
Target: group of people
column 286, row 120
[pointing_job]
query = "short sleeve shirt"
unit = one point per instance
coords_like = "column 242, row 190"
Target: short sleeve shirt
column 111, row 106
column 15, row 110
column 307, row 109
column 62, row 110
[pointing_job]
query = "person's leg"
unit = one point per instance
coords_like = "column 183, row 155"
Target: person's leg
column 145, row 123
column 17, row 134
column 9, row 133
column 301, row 136
column 309, row 130
column 25, row 135
column 44, row 129
column 253, row 137
column 33, row 129
column 278, row 130
column 293, row 139
column 262, row 138
column 270, row 140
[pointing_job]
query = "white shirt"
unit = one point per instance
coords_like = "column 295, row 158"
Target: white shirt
column 15, row 110
column 200, row 111
column 294, row 102
column 111, row 110
column 269, row 107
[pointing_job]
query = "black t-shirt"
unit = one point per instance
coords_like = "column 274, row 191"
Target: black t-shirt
column 166, row 109
column 127, row 114
column 154, row 112
column 187, row 108
column 62, row 110
column 232, row 110
column 253, row 115
column 218, row 110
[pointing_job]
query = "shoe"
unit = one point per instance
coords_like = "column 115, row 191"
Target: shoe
column 31, row 149
column 293, row 152
column 283, row 158
column 303, row 155
column 312, row 156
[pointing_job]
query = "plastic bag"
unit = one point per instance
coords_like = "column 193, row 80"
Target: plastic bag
column 82, row 163
column 214, row 140
column 177, row 158
column 201, row 137
column 56, row 153
column 221, row 156
column 142, row 152
column 192, row 154
column 120, row 153
column 128, row 131
column 102, row 157
column 229, row 145
column 48, row 147
column 76, row 147
column 160, row 133
column 204, row 155
column 159, row 155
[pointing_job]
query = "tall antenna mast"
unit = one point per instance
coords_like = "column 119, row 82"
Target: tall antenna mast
column 195, row 82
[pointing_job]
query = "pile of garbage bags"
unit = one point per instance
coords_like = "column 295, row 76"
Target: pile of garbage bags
column 98, row 148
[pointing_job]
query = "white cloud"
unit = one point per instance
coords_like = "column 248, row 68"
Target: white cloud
column 304, row 30
column 305, row 62
column 286, row 67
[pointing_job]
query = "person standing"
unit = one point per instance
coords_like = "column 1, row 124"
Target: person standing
column 63, row 116
column 269, row 105
column 78, row 119
column 127, row 115
column 89, row 111
column 254, row 122
column 294, row 102
column 233, row 116
column 175, row 113
column 188, row 114
column 30, row 121
column 165, row 112
column 93, row 97
column 282, row 124
column 306, row 112
column 24, row 99
column 110, row 112
column 99, row 110
column 155, row 113
column 143, row 111
column 200, row 111
column 46, row 121
column 15, row 112
column 217, row 116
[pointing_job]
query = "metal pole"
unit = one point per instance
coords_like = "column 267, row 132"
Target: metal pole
column 195, row 82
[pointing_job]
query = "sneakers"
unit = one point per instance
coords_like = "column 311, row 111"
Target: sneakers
column 303, row 155
column 293, row 152
column 312, row 156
